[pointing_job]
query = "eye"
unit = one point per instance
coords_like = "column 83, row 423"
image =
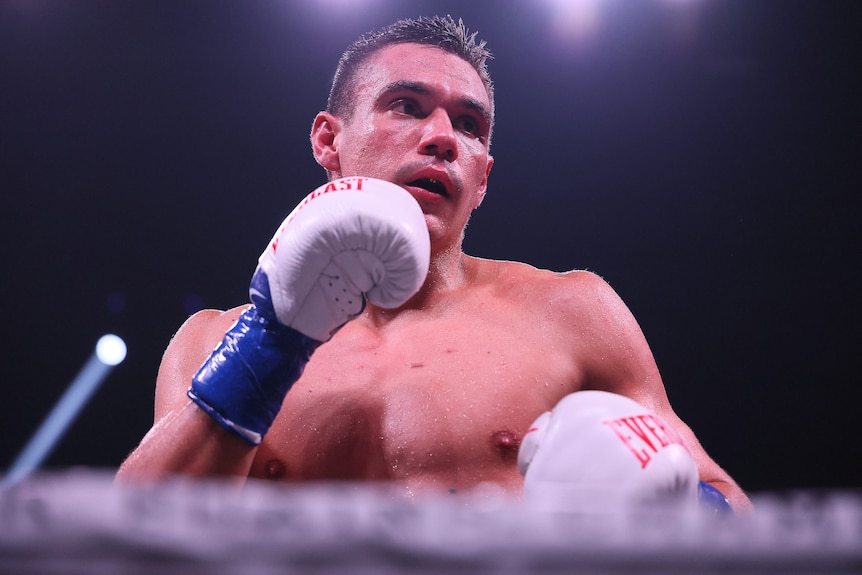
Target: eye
column 405, row 106
column 469, row 125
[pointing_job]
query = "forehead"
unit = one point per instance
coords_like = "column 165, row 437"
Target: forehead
column 424, row 64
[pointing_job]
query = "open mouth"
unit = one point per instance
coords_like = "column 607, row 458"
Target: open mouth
column 430, row 184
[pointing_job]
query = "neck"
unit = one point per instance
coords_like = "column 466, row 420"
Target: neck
column 447, row 272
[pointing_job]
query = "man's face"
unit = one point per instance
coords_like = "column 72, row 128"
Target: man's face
column 421, row 119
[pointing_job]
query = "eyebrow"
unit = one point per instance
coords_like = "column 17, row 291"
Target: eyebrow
column 424, row 90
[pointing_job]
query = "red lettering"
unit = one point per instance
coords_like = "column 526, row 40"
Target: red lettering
column 632, row 424
column 638, row 441
column 641, row 454
column 348, row 183
column 336, row 186
column 650, row 422
column 670, row 433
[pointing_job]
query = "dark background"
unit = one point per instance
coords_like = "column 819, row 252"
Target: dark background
column 702, row 156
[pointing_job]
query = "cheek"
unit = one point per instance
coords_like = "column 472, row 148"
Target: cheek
column 475, row 155
column 478, row 200
column 478, row 169
column 379, row 149
column 363, row 147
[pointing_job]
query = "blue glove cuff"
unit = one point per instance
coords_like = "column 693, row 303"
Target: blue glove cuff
column 244, row 381
column 711, row 499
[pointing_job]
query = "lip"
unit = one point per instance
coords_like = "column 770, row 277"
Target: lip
column 424, row 196
column 421, row 193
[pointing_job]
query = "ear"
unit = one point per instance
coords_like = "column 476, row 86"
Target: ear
column 483, row 187
column 323, row 137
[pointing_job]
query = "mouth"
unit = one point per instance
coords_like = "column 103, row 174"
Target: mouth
column 430, row 184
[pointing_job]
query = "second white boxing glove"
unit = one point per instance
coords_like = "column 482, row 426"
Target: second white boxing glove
column 601, row 452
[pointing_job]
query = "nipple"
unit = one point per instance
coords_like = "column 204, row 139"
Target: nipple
column 506, row 444
column 274, row 469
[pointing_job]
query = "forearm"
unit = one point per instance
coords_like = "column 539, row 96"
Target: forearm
column 187, row 442
column 739, row 501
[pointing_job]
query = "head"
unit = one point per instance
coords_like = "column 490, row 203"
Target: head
column 413, row 105
column 444, row 33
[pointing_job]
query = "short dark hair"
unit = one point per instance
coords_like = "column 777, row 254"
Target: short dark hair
column 443, row 32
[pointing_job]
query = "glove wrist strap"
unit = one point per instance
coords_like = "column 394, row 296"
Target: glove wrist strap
column 244, row 381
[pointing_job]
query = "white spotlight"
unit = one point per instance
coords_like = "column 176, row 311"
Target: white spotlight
column 576, row 19
column 110, row 351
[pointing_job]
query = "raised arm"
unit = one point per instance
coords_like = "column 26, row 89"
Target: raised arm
column 184, row 439
column 224, row 376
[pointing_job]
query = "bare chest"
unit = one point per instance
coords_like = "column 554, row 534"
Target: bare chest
column 434, row 402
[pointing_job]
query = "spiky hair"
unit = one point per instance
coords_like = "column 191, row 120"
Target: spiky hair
column 443, row 32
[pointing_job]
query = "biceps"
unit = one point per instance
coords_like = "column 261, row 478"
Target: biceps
column 184, row 355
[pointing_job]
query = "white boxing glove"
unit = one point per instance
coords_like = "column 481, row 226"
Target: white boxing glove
column 351, row 239
column 599, row 452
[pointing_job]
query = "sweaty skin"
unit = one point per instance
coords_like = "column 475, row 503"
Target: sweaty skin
column 437, row 394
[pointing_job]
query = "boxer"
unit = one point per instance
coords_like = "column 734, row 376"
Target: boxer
column 437, row 391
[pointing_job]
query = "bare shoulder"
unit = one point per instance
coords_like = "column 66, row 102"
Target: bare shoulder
column 207, row 323
column 575, row 291
column 583, row 313
column 519, row 271
column 187, row 350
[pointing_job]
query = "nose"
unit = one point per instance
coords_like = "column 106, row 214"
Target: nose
column 438, row 136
